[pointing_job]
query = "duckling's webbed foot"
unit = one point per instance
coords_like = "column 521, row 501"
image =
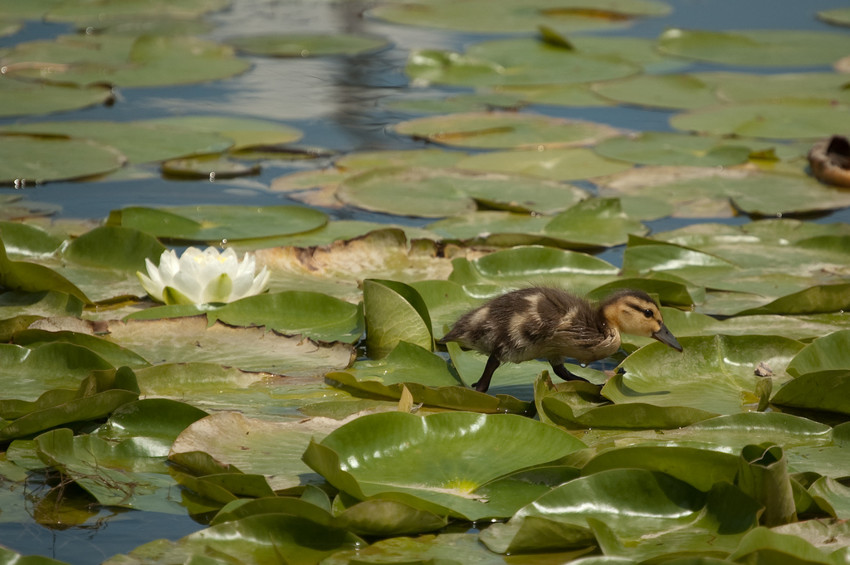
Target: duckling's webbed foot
column 562, row 372
column 484, row 382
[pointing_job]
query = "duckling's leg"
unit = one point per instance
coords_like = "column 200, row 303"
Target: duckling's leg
column 484, row 382
column 562, row 372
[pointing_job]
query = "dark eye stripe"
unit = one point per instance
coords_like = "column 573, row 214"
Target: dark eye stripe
column 645, row 311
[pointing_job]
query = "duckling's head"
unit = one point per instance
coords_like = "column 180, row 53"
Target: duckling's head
column 634, row 312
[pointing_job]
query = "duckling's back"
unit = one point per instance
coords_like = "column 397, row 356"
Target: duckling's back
column 535, row 323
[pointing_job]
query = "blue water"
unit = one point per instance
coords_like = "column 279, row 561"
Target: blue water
column 336, row 102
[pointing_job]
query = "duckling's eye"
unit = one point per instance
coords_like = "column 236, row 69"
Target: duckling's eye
column 647, row 313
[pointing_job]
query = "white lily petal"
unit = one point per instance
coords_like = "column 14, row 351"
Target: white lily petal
column 153, row 289
column 219, row 289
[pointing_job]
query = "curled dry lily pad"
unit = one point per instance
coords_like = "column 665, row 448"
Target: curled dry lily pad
column 502, row 130
column 216, row 223
column 717, row 374
column 255, row 446
column 757, row 48
column 307, row 44
column 39, row 159
column 396, row 455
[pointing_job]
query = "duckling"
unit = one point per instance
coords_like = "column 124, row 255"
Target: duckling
column 552, row 324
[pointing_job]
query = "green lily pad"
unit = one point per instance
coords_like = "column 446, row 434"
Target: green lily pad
column 125, row 60
column 514, row 16
column 838, row 16
column 307, row 44
column 21, row 98
column 503, row 130
column 514, row 62
column 823, row 354
column 658, row 148
column 312, row 314
column 253, row 540
column 571, row 95
column 791, row 119
column 115, row 355
column 216, row 223
column 520, row 267
column 445, row 548
column 394, row 312
column 554, row 164
column 114, row 247
column 832, row 496
column 476, row 102
column 704, row 192
column 33, row 159
column 763, row 543
column 395, row 454
column 677, row 91
column 244, row 132
column 63, row 12
column 250, row 349
column 750, row 87
column 596, row 221
column 426, row 377
column 632, row 504
column 756, row 48
column 140, row 142
column 717, row 373
column 208, row 168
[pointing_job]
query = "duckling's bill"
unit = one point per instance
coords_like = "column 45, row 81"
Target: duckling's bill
column 664, row 336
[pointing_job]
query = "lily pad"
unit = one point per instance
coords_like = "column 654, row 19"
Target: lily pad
column 631, row 503
column 514, row 62
column 307, row 44
column 823, row 354
column 657, row 148
column 757, row 48
column 85, row 11
column 21, row 98
column 125, row 60
column 677, row 91
column 514, row 16
column 34, row 159
column 801, row 119
column 250, row 349
column 395, row 454
column 717, row 373
column 502, row 130
column 554, row 164
column 211, row 168
column 244, row 132
column 394, row 312
column 216, row 223
column 140, row 143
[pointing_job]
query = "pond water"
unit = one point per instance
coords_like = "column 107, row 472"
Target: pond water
column 338, row 103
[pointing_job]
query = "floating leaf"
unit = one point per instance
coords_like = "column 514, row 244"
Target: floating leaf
column 713, row 373
column 791, row 119
column 394, row 312
column 307, row 44
column 553, row 164
column 216, row 223
column 31, row 277
column 596, row 221
column 139, row 142
column 395, row 454
column 632, row 504
column 125, row 60
column 658, row 148
column 250, row 349
column 244, row 132
column 114, row 247
column 208, row 168
column 502, row 130
column 514, row 62
column 756, row 48
column 824, row 354
column 677, row 91
column 34, row 159
column 514, row 16
column 20, row 98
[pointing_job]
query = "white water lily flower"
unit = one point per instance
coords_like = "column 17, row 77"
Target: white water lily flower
column 201, row 277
